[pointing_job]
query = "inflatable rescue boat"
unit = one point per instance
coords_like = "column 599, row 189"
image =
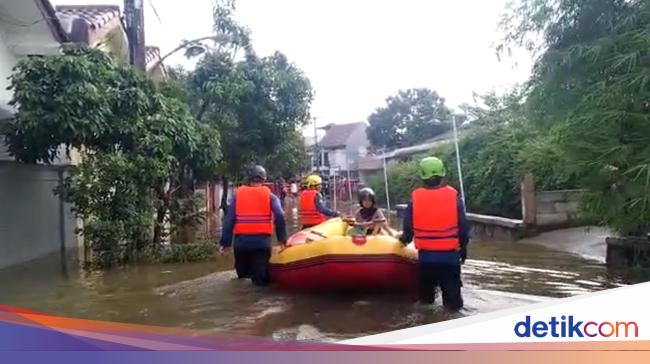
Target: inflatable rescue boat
column 331, row 257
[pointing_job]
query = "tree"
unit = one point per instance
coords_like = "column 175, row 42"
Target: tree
column 257, row 104
column 289, row 159
column 591, row 81
column 496, row 109
column 140, row 146
column 409, row 117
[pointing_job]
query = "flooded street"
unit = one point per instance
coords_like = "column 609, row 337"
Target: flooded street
column 207, row 295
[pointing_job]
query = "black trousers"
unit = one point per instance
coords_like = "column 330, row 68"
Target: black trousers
column 253, row 263
column 443, row 275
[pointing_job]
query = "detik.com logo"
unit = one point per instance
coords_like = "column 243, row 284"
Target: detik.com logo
column 568, row 326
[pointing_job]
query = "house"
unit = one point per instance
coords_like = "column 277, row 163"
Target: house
column 101, row 27
column 372, row 164
column 27, row 28
column 340, row 148
column 33, row 221
column 155, row 67
column 98, row 26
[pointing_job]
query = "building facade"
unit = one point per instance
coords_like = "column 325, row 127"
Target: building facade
column 33, row 220
column 340, row 148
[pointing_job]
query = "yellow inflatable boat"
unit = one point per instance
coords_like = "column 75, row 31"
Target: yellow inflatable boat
column 330, row 257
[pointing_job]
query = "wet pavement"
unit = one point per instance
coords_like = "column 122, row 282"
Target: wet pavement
column 587, row 241
column 207, row 295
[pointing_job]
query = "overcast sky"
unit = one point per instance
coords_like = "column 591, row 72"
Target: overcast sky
column 358, row 52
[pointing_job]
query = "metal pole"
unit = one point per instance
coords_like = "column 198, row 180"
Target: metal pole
column 460, row 170
column 333, row 189
column 317, row 154
column 62, row 229
column 386, row 187
column 347, row 161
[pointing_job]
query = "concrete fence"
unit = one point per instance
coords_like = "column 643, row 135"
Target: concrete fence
column 557, row 208
column 547, row 210
column 34, row 222
column 541, row 211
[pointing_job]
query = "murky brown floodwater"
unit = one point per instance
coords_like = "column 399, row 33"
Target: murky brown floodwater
column 207, row 295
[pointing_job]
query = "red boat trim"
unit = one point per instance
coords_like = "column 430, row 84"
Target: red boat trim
column 342, row 258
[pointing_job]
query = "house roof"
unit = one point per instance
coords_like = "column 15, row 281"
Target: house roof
column 89, row 23
column 419, row 148
column 152, row 54
column 374, row 162
column 96, row 16
column 337, row 134
column 369, row 163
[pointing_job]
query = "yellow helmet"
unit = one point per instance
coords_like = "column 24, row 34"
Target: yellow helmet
column 313, row 181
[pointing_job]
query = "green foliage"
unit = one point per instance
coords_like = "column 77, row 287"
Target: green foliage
column 402, row 179
column 145, row 145
column 110, row 192
column 410, row 117
column 289, row 159
column 187, row 212
column 179, row 253
column 542, row 155
column 591, row 80
column 494, row 159
column 140, row 144
column 155, row 254
column 496, row 109
column 256, row 104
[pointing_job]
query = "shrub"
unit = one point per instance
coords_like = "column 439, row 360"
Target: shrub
column 182, row 253
column 494, row 160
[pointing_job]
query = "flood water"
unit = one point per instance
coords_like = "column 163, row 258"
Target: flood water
column 207, row 295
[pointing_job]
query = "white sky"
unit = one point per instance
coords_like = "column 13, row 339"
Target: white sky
column 358, row 52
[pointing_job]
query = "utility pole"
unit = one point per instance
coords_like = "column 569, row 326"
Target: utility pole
column 458, row 164
column 317, row 154
column 134, row 14
column 347, row 162
column 386, row 185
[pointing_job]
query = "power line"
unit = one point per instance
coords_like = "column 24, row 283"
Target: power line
column 155, row 11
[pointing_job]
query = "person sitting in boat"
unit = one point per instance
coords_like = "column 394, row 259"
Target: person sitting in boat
column 311, row 209
column 369, row 216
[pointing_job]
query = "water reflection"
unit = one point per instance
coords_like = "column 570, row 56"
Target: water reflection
column 208, row 295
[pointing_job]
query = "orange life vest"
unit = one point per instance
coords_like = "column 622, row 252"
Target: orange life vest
column 309, row 215
column 435, row 219
column 253, row 215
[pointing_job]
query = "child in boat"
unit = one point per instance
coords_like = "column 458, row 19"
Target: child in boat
column 369, row 216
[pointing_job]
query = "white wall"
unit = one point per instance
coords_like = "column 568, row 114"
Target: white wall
column 30, row 220
column 337, row 158
column 31, row 224
column 7, row 62
column 357, row 143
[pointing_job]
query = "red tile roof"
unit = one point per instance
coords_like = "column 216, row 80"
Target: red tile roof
column 89, row 23
column 95, row 16
column 152, row 55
